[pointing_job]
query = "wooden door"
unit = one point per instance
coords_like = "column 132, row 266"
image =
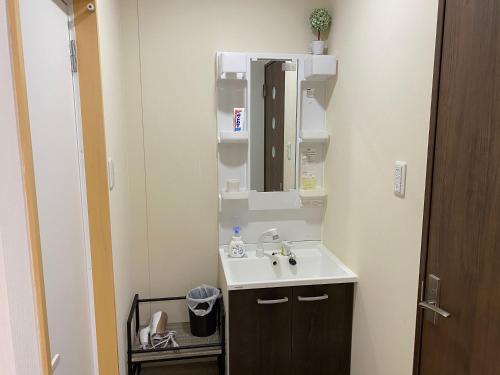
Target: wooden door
column 274, row 119
column 462, row 220
column 260, row 331
column 322, row 325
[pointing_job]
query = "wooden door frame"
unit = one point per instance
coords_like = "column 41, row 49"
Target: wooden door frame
column 428, row 182
column 94, row 145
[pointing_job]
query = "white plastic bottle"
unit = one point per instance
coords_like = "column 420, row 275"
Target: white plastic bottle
column 236, row 246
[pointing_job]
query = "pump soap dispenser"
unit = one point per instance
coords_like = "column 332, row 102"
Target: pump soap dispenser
column 236, row 246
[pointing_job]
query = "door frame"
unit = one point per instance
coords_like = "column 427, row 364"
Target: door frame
column 428, row 183
column 91, row 105
column 96, row 179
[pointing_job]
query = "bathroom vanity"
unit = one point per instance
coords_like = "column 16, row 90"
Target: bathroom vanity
column 289, row 300
column 284, row 318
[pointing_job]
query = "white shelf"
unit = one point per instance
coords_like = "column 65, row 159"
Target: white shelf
column 225, row 195
column 312, row 194
column 233, row 137
column 320, row 67
column 314, row 136
column 232, row 65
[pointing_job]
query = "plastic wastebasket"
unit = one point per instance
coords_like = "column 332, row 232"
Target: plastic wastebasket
column 202, row 303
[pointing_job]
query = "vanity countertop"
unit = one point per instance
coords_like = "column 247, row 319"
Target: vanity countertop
column 315, row 265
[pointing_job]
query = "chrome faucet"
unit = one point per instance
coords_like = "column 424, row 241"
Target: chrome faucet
column 287, row 246
column 273, row 233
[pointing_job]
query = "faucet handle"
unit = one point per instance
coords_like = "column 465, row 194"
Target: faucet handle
column 288, row 245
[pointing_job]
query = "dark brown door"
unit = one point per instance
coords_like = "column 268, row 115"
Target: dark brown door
column 260, row 331
column 322, row 325
column 274, row 117
column 462, row 231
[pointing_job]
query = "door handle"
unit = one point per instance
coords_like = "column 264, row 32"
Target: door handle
column 271, row 301
column 312, row 299
column 430, row 302
column 434, row 308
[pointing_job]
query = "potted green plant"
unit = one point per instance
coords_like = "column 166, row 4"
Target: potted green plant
column 320, row 21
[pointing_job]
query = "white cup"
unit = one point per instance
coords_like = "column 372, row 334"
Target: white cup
column 233, row 185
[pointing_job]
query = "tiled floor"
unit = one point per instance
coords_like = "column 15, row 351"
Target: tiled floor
column 203, row 368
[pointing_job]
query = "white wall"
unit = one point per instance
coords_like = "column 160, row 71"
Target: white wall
column 379, row 112
column 19, row 350
column 118, row 39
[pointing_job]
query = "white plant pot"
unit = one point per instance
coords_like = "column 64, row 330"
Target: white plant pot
column 318, row 47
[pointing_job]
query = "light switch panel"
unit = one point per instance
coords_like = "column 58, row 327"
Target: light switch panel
column 400, row 178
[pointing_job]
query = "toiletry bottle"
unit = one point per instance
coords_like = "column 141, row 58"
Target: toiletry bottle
column 236, row 246
column 309, row 181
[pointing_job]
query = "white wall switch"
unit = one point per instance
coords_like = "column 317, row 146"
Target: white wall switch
column 400, row 178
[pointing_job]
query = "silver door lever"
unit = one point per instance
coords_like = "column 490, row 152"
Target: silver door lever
column 434, row 308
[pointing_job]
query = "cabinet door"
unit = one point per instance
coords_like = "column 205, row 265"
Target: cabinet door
column 260, row 331
column 322, row 324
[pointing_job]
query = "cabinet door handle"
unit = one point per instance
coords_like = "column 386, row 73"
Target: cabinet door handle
column 312, row 299
column 271, row 301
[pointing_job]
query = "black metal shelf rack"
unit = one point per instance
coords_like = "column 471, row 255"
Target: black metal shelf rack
column 190, row 347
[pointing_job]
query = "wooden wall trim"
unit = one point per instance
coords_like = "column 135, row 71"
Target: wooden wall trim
column 428, row 180
column 26, row 152
column 97, row 185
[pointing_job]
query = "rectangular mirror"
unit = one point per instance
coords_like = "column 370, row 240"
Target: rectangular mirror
column 273, row 124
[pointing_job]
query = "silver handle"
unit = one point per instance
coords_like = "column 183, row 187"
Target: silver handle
column 271, row 301
column 312, row 299
column 434, row 308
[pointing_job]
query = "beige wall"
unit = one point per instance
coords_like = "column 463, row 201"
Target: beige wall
column 158, row 67
column 179, row 40
column 378, row 113
column 118, row 40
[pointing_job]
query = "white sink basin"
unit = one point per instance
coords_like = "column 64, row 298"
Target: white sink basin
column 315, row 265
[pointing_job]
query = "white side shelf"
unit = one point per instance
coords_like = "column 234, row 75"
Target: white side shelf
column 232, row 65
column 233, row 137
column 314, row 136
column 313, row 194
column 234, row 195
column 319, row 67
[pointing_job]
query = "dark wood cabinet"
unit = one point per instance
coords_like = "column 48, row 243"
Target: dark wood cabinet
column 295, row 330
column 260, row 332
column 321, row 329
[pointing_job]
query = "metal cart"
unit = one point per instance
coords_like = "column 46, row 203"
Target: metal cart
column 190, row 347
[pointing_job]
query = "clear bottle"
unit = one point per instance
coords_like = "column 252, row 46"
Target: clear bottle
column 236, row 246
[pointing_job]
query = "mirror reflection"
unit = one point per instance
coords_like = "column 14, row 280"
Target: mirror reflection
column 273, row 123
